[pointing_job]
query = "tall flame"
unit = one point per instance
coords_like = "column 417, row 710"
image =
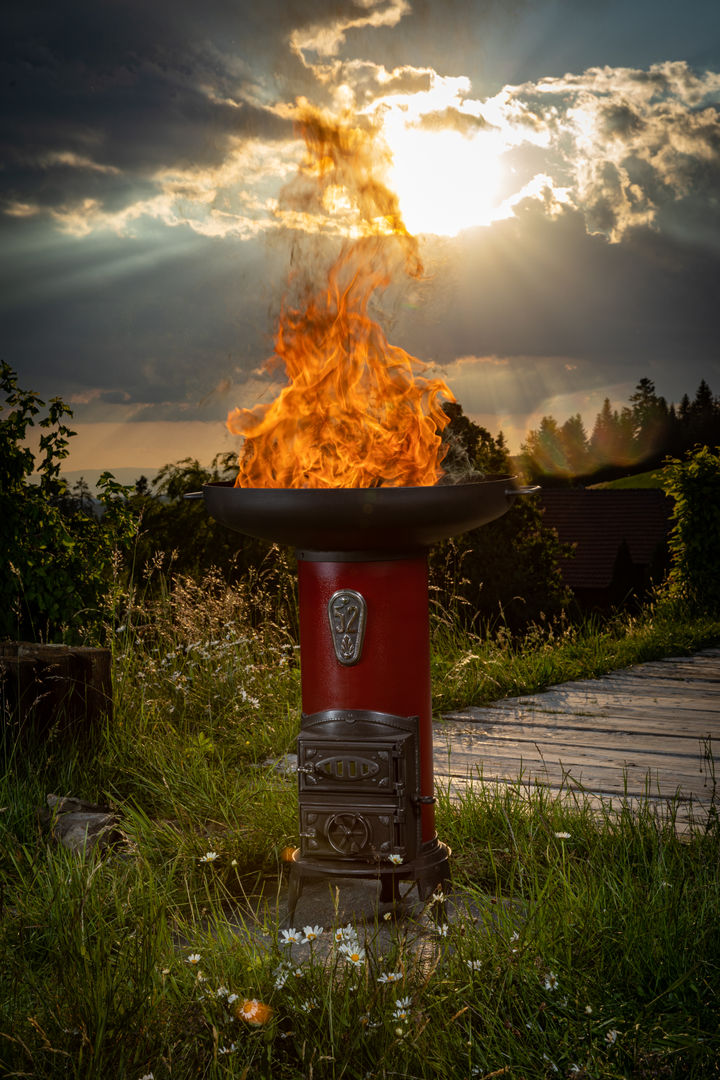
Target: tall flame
column 354, row 413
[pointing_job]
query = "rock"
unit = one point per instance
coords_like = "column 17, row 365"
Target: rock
column 284, row 766
column 80, row 825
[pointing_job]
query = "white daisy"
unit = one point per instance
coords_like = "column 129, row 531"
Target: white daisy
column 551, row 981
column 396, row 860
column 353, row 954
column 312, row 933
column 474, row 965
column 209, row 856
column 290, row 937
column 390, row 977
column 346, row 933
column 194, row 958
column 402, row 1008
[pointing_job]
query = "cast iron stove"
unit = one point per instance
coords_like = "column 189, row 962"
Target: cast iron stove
column 365, row 775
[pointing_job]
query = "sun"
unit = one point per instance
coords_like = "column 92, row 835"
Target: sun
column 445, row 181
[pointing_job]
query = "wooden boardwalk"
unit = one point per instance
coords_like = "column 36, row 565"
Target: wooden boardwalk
column 645, row 733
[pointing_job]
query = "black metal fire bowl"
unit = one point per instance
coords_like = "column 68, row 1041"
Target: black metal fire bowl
column 387, row 519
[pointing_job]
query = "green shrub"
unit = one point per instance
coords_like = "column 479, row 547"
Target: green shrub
column 695, row 536
column 55, row 557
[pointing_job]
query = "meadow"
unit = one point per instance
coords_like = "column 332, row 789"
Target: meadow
column 581, row 944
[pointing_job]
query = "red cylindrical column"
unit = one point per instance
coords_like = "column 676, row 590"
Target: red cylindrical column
column 393, row 672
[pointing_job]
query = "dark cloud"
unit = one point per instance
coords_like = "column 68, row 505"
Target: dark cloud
column 645, row 306
column 455, row 120
column 128, row 87
column 620, row 119
column 100, row 97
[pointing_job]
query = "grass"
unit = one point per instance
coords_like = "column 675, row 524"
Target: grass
column 652, row 479
column 475, row 669
column 584, row 944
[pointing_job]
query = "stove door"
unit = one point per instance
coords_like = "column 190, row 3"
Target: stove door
column 357, row 767
column 355, row 831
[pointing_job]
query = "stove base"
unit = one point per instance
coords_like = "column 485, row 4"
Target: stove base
column 430, row 871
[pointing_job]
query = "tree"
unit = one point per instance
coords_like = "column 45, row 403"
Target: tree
column 55, row 557
column 543, row 451
column 574, row 442
column 694, row 540
column 181, row 530
column 509, row 568
column 612, row 439
column 650, row 420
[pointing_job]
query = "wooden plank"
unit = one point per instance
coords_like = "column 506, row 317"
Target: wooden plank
column 682, row 770
column 591, row 777
column 637, row 735
column 699, row 699
column 680, row 746
column 497, row 720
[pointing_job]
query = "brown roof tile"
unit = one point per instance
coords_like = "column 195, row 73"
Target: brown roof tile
column 598, row 522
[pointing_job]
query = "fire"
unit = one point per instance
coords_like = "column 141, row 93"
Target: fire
column 354, row 412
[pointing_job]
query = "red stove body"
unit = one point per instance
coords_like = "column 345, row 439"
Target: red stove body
column 365, row 745
column 383, row 626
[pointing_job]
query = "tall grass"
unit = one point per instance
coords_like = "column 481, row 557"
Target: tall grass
column 578, row 943
column 471, row 668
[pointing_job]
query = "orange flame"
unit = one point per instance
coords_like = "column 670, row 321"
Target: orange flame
column 353, row 414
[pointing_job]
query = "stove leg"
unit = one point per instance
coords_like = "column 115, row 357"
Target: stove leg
column 295, row 886
column 437, row 879
column 388, row 888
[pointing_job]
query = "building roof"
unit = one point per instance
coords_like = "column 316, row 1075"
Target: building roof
column 598, row 522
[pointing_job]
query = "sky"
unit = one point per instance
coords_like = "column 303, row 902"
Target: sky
column 558, row 160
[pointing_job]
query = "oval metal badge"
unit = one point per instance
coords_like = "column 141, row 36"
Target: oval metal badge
column 347, row 613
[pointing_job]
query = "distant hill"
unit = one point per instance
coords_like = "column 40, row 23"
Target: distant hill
column 123, row 476
column 652, row 479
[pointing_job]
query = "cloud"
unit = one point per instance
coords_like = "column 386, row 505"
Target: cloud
column 325, row 37
column 116, row 118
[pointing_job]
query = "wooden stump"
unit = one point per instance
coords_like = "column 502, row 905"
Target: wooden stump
column 53, row 689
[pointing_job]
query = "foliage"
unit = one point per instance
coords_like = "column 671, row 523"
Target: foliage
column 637, row 436
column 182, row 528
column 508, row 569
column 479, row 668
column 56, row 559
column 694, row 542
column 582, row 940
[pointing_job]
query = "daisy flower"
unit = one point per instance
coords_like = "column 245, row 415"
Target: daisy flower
column 353, row 954
column 253, row 1011
column 390, row 977
column 312, row 933
column 290, row 937
column 611, row 1037
column 551, row 981
column 396, row 860
column 563, row 835
column 194, row 958
column 346, row 933
column 474, row 965
column 402, row 1008
column 209, row 856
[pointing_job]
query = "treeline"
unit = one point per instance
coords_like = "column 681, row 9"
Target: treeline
column 636, row 437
